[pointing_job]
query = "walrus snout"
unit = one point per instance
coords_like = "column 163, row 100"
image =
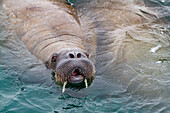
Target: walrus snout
column 74, row 70
column 72, row 66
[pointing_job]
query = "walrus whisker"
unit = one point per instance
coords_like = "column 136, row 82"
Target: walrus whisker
column 85, row 81
column 64, row 87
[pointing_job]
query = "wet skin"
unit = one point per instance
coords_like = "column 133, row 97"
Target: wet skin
column 71, row 66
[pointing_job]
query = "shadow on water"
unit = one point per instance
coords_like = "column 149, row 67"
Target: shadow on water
column 132, row 67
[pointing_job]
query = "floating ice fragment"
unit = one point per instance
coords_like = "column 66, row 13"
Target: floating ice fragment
column 154, row 49
column 158, row 62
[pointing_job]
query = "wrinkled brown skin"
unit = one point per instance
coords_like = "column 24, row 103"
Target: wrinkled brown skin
column 52, row 29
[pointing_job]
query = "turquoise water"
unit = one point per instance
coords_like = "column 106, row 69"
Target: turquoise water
column 141, row 85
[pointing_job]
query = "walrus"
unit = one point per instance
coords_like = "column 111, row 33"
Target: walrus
column 117, row 36
column 53, row 32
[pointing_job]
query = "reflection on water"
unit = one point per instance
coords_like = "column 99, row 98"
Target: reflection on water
column 132, row 64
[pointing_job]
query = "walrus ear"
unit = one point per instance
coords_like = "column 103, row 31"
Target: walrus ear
column 47, row 65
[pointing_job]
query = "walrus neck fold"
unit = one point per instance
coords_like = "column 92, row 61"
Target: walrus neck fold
column 53, row 33
column 48, row 47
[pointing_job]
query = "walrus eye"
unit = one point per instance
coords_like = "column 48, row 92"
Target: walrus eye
column 54, row 58
column 87, row 55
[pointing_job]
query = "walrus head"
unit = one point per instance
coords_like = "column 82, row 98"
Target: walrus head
column 71, row 66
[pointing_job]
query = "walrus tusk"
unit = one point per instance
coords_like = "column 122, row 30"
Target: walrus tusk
column 64, row 87
column 85, row 81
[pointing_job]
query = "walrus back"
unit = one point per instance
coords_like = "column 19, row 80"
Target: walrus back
column 43, row 26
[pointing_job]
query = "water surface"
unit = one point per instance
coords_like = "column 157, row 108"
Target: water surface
column 132, row 72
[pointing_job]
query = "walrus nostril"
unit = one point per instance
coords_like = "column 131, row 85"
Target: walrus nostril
column 79, row 55
column 71, row 55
